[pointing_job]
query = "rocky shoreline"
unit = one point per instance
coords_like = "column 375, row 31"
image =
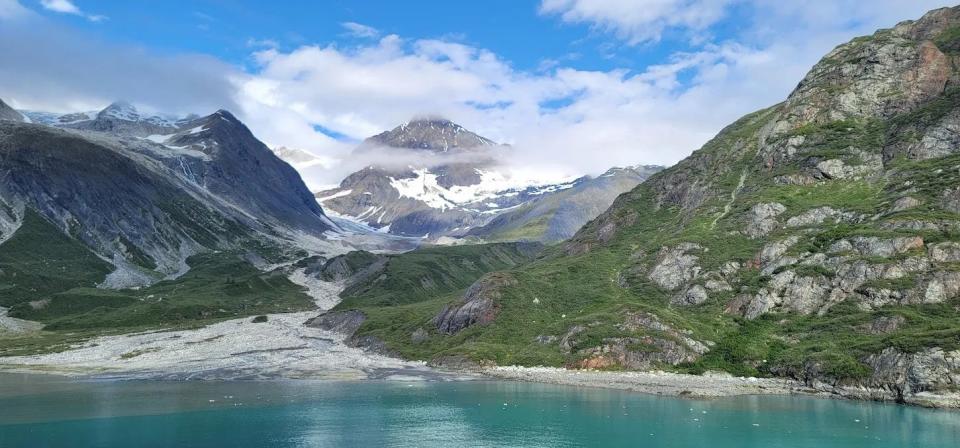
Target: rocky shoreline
column 712, row 385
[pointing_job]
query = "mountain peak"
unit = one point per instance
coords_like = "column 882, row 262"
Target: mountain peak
column 120, row 110
column 8, row 113
column 433, row 133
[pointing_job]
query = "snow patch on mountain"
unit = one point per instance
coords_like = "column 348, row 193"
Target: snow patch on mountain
column 425, row 187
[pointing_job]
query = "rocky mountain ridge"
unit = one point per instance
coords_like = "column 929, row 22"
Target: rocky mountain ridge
column 456, row 188
column 146, row 203
column 816, row 239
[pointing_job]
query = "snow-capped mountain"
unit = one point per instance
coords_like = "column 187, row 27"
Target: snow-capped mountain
column 120, row 118
column 146, row 193
column 429, row 133
column 455, row 187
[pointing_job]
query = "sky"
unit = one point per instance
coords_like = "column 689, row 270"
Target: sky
column 575, row 86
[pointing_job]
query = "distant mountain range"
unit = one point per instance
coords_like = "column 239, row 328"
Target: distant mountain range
column 456, row 188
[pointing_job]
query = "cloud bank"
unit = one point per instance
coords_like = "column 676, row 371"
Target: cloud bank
column 324, row 98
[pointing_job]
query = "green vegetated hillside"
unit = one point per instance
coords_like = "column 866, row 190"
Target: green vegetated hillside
column 51, row 278
column 424, row 273
column 816, row 239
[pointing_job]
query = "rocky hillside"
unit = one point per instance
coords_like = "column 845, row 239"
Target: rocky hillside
column 144, row 205
column 454, row 187
column 557, row 215
column 817, row 239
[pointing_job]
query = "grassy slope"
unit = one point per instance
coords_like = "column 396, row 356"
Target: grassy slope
column 412, row 285
column 586, row 289
column 38, row 260
column 58, row 275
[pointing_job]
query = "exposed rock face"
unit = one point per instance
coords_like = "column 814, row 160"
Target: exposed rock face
column 763, row 219
column 885, row 324
column 675, row 267
column 898, row 77
column 668, row 346
column 9, row 114
column 951, row 199
column 901, row 373
column 819, row 215
column 905, row 203
column 348, row 268
column 434, row 134
column 346, row 322
column 948, row 252
column 478, row 306
column 694, row 295
column 880, row 247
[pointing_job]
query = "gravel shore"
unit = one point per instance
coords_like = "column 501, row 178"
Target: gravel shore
column 659, row 383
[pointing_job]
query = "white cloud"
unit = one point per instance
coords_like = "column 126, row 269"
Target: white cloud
column 638, row 21
column 560, row 119
column 360, row 30
column 67, row 71
column 68, row 7
column 617, row 117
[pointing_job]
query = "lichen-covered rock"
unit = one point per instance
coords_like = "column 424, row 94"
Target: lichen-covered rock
column 905, row 203
column 693, row 295
column 884, row 247
column 950, row 200
column 787, row 290
column 948, row 252
column 928, row 370
column 940, row 287
column 817, row 216
column 838, row 169
column 666, row 345
column 762, row 219
column 675, row 267
column 772, row 254
column 885, row 324
column 638, row 353
column 478, row 306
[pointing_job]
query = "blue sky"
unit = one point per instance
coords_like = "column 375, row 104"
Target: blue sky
column 514, row 30
column 575, row 86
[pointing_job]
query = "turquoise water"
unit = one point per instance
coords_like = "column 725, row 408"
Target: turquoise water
column 47, row 412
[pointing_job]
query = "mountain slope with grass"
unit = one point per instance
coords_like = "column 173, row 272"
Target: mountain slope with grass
column 107, row 226
column 818, row 239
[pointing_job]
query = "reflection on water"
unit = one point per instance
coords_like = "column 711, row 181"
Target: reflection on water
column 43, row 411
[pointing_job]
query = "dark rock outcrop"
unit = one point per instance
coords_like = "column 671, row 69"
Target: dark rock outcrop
column 345, row 322
column 478, row 306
